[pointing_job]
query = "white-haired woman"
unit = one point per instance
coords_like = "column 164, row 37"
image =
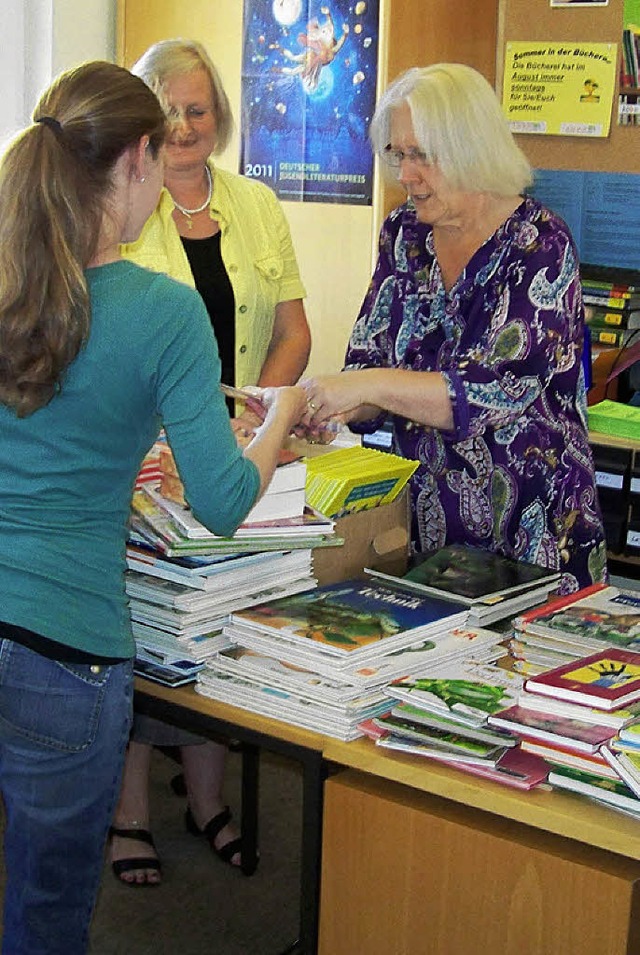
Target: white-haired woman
column 471, row 335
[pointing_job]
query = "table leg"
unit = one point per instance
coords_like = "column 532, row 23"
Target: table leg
column 250, row 784
column 312, row 806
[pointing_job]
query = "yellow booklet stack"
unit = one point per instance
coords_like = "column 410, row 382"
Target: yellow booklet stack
column 355, row 479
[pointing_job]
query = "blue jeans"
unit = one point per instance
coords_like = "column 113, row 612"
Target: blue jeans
column 63, row 733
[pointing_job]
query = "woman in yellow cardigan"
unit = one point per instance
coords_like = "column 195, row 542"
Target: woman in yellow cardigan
column 228, row 237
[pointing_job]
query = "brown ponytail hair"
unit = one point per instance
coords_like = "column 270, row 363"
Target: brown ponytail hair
column 55, row 181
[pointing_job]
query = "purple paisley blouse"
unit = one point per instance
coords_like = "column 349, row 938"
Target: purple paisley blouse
column 515, row 474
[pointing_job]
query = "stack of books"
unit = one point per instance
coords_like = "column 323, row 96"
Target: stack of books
column 321, row 659
column 612, row 312
column 284, row 496
column 172, row 529
column 355, row 479
column 178, row 607
column 570, row 716
column 566, row 628
column 443, row 714
column 492, row 587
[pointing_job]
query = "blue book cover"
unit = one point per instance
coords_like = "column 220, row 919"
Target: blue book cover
column 354, row 617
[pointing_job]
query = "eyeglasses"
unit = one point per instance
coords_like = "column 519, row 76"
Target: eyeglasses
column 395, row 157
column 192, row 114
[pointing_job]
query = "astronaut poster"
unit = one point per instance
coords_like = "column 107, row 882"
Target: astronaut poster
column 308, row 93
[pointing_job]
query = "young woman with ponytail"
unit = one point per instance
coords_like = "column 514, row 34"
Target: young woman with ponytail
column 96, row 354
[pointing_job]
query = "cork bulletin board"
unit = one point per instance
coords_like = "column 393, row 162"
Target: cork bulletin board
column 536, row 20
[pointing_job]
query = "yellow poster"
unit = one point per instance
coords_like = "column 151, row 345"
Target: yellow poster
column 562, row 89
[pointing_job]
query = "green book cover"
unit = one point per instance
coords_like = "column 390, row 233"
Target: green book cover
column 611, row 417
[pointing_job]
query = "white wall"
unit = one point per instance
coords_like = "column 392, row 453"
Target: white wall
column 40, row 38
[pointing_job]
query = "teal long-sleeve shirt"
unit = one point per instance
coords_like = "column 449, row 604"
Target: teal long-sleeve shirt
column 67, row 471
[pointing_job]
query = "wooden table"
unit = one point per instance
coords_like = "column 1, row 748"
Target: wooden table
column 423, row 858
column 404, row 856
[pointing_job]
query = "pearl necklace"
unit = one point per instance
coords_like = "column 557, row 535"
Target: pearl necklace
column 187, row 213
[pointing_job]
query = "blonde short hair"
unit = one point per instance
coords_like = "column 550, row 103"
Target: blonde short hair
column 459, row 124
column 178, row 57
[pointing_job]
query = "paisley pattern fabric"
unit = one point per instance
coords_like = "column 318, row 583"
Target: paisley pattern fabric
column 515, row 474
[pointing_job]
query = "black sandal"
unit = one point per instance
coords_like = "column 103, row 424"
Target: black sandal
column 212, row 830
column 121, row 866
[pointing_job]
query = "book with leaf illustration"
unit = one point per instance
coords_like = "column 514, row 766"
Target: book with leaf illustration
column 452, row 644
column 468, row 692
column 431, row 721
column 439, row 738
column 357, row 619
column 472, row 575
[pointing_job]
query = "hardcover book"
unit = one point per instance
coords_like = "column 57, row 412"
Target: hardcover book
column 562, row 756
column 472, row 575
column 631, row 734
column 574, row 711
column 417, row 747
column 606, row 680
column 154, row 526
column 438, row 737
column 413, row 714
column 515, row 768
column 557, row 730
column 439, row 649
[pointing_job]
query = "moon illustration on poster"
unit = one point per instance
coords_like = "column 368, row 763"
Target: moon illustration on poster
column 287, row 12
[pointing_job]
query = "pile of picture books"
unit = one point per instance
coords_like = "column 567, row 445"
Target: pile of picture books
column 574, row 716
column 179, row 606
column 443, row 713
column 568, row 627
column 320, row 660
column 355, row 479
column 491, row 586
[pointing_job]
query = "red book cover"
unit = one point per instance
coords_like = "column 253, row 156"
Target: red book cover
column 605, row 680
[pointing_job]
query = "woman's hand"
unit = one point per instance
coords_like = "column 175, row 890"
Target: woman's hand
column 245, row 425
column 290, row 400
column 284, row 408
column 337, row 396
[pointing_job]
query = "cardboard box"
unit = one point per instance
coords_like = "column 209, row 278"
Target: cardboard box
column 377, row 538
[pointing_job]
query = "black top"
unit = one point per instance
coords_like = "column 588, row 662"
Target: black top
column 212, row 282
